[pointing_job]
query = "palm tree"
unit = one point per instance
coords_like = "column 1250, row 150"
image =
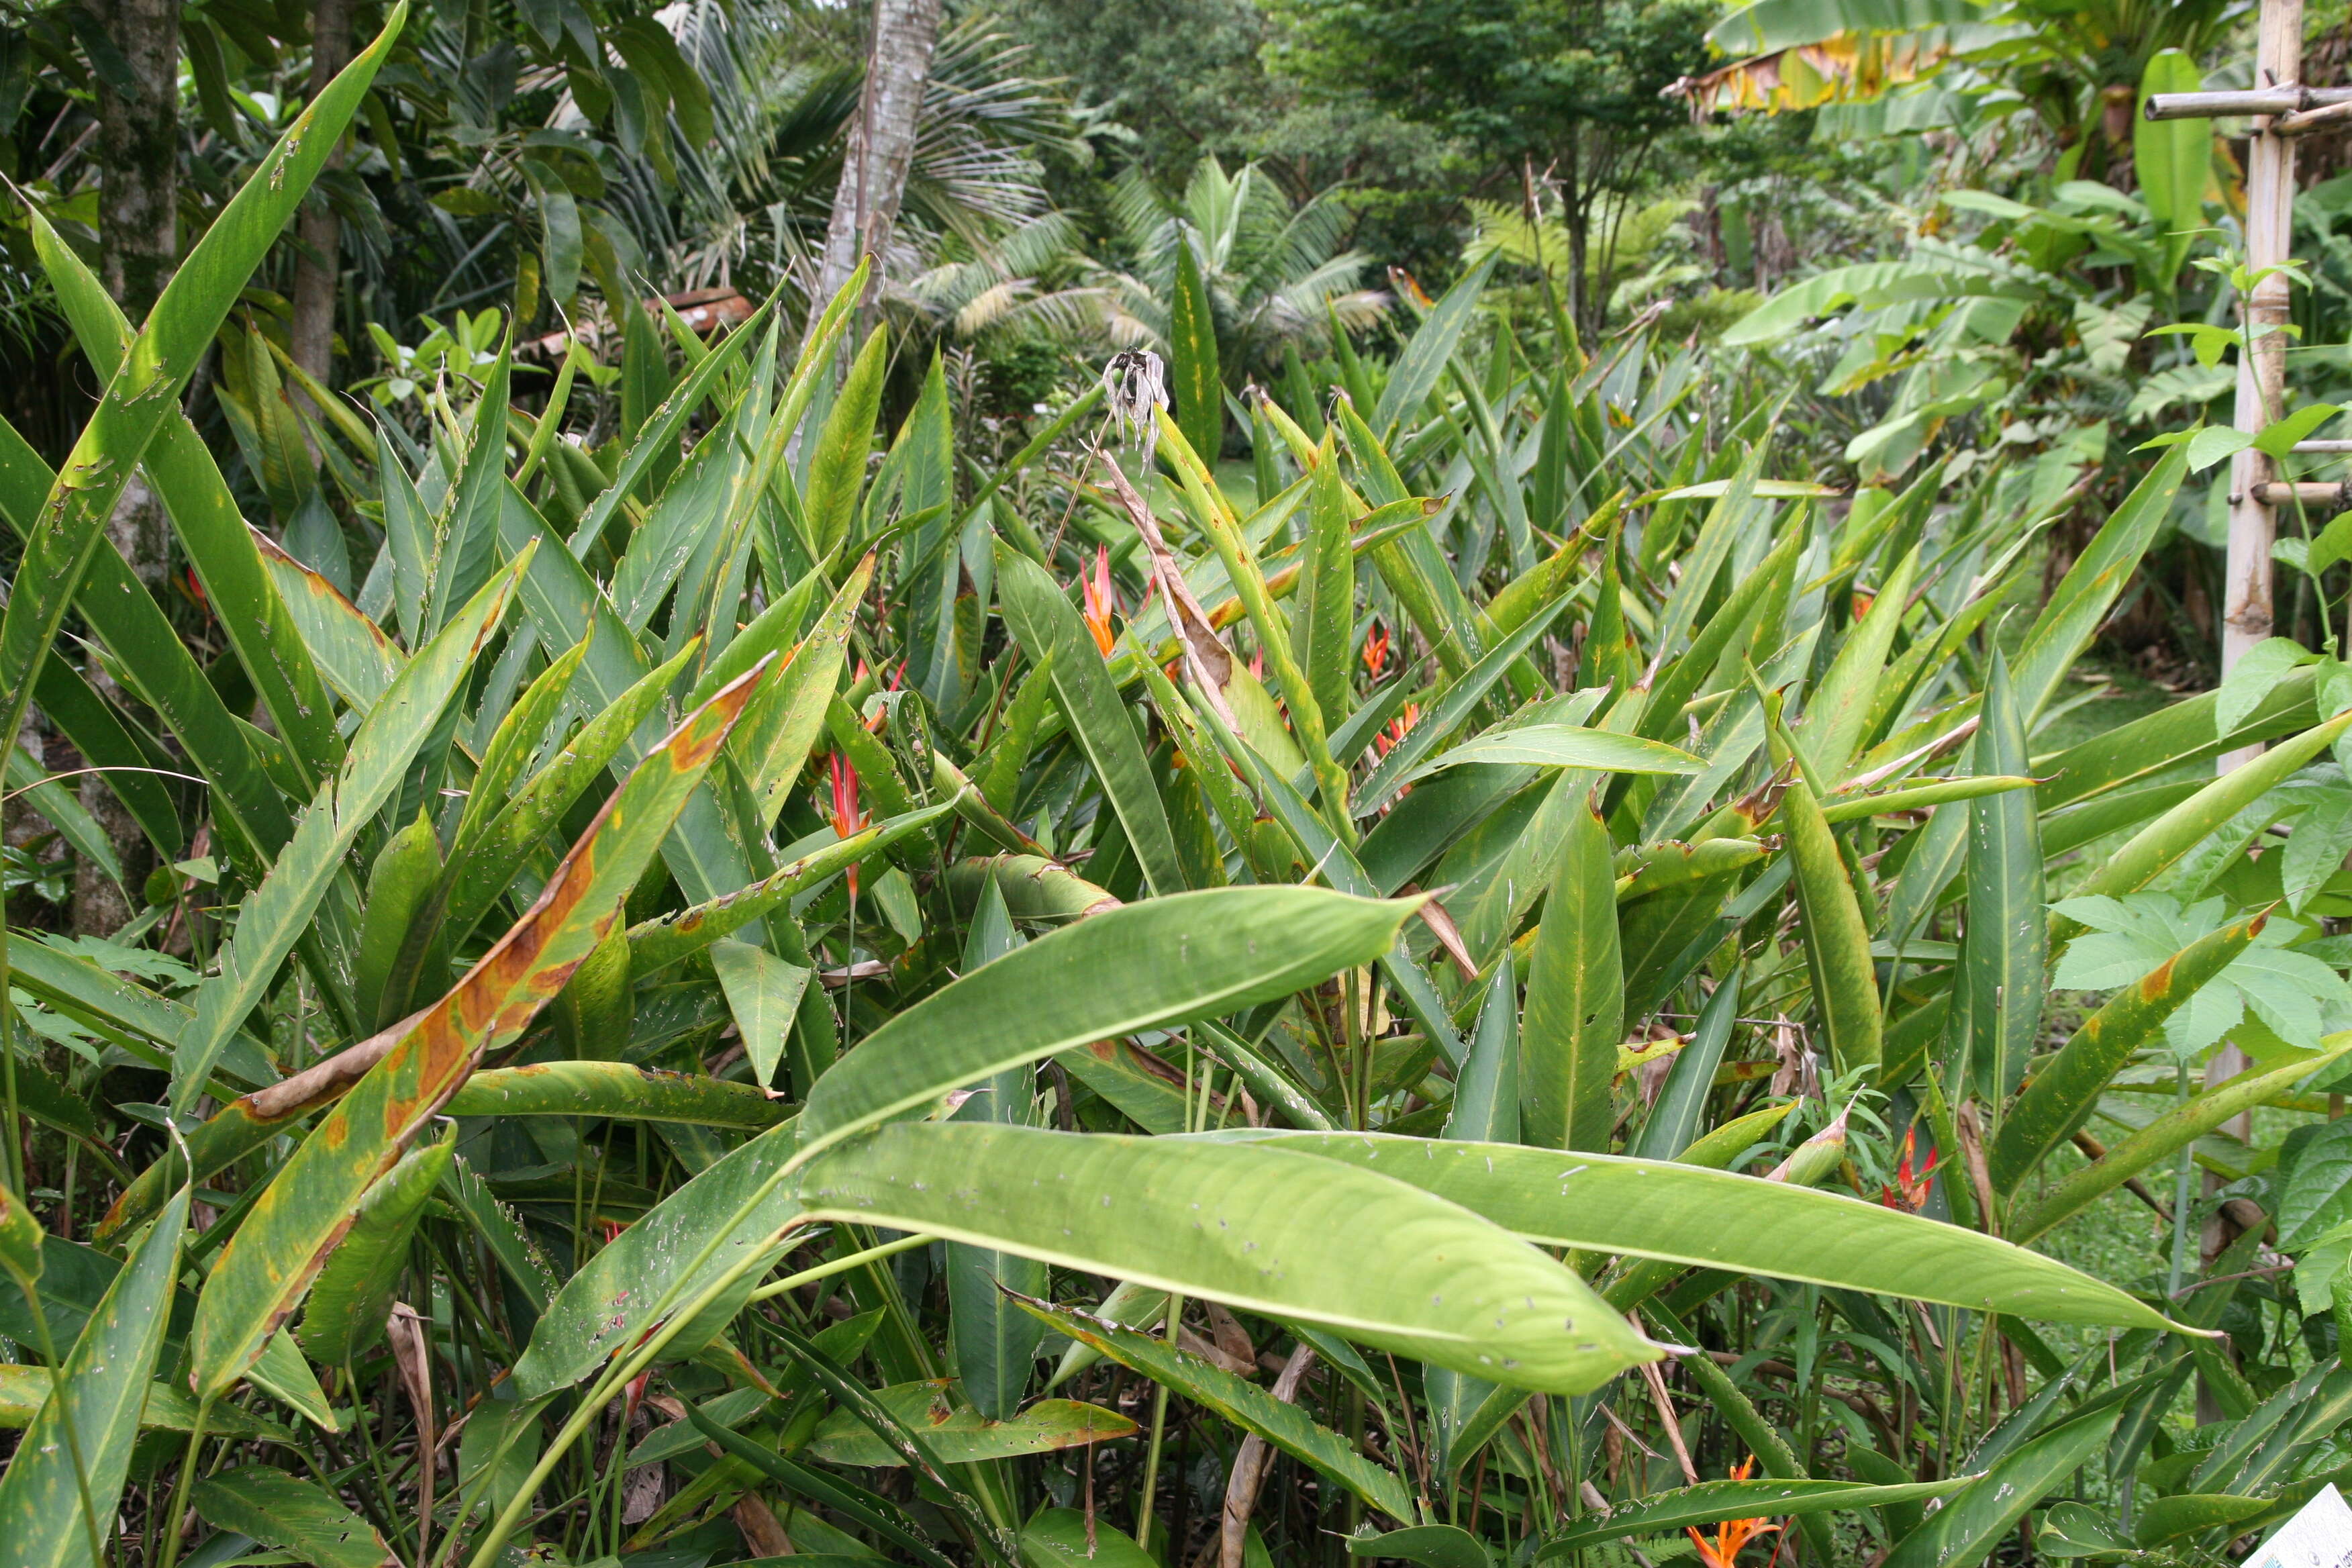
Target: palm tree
column 1275, row 270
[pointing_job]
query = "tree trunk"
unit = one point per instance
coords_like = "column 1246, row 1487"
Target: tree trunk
column 881, row 139
column 317, row 260
column 138, row 244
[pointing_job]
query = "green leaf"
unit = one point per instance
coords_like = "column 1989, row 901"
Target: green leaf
column 1280, row 1423
column 1576, row 995
column 961, row 1435
column 2279, row 436
column 2155, row 847
column 2063, row 1093
column 2166, row 1519
column 1840, row 706
column 2172, row 158
column 262, row 1274
column 1564, row 746
column 1461, row 699
column 2168, row 1134
column 1711, row 1503
column 1065, row 1537
column 1430, row 1545
column 764, row 994
column 1143, row 966
column 837, row 469
column 1193, row 356
column 301, row 1518
column 1837, row 941
column 619, row 1090
column 141, row 394
column 352, row 653
column 2258, row 672
column 2215, row 442
column 2079, row 604
column 1048, row 629
column 346, row 1314
column 2005, row 954
column 276, row 913
column 1682, row 1213
column 80, row 1444
column 1375, row 1261
column 1416, row 371
column 1973, row 1521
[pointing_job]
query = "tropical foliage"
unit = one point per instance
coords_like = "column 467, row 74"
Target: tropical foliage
column 1497, row 926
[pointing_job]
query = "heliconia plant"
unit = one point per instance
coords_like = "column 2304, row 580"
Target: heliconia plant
column 755, row 991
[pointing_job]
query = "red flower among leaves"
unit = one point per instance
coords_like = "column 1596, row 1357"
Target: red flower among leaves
column 847, row 817
column 1909, row 1190
column 1376, row 650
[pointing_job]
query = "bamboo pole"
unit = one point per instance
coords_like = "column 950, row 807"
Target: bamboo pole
column 2261, row 363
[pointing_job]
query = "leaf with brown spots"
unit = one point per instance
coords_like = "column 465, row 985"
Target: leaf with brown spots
column 407, row 1073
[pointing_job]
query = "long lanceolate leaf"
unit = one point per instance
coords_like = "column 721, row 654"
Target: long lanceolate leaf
column 1260, row 1229
column 263, row 1272
column 2005, row 954
column 1652, row 1208
column 276, row 911
column 2062, row 1093
column 143, row 391
column 1139, row 966
column 101, row 1391
column 251, row 615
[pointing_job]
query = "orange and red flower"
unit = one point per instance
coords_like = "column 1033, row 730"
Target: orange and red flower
column 1909, row 1192
column 1732, row 1533
column 847, row 817
column 1101, row 599
column 1376, row 650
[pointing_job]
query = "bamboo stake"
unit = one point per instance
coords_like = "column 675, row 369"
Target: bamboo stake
column 2261, row 363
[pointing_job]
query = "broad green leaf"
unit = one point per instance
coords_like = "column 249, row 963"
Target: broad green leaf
column 1973, row 1521
column 1048, row 629
column 1563, row 746
column 2159, row 845
column 2063, row 1093
column 837, row 469
column 141, row 392
column 1324, row 623
column 1576, row 993
column 1682, row 1213
column 25, row 1389
column 623, row 1291
column 2173, row 159
column 961, row 1434
column 618, row 1091
column 1711, row 1503
column 1837, row 941
column 2165, row 1520
column 353, row 655
column 80, row 1444
column 399, row 885
column 1374, row 1260
column 1415, row 374
column 670, row 939
column 2004, row 957
column 299, row 1517
column 775, row 738
column 274, row 915
column 1280, row 1423
column 2168, row 1134
column 1142, row 966
column 2079, row 604
column 262, row 1274
column 764, row 994
column 1063, row 1538
column 478, row 874
column 1430, row 1545
column 347, row 1308
column 1485, row 1107
column 1840, row 706
column 222, row 550
column 1193, row 356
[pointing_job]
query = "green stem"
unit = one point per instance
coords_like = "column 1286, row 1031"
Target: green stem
column 181, row 1510
column 1158, row 1432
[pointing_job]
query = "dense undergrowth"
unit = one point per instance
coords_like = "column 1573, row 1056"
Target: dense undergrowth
column 1515, row 983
